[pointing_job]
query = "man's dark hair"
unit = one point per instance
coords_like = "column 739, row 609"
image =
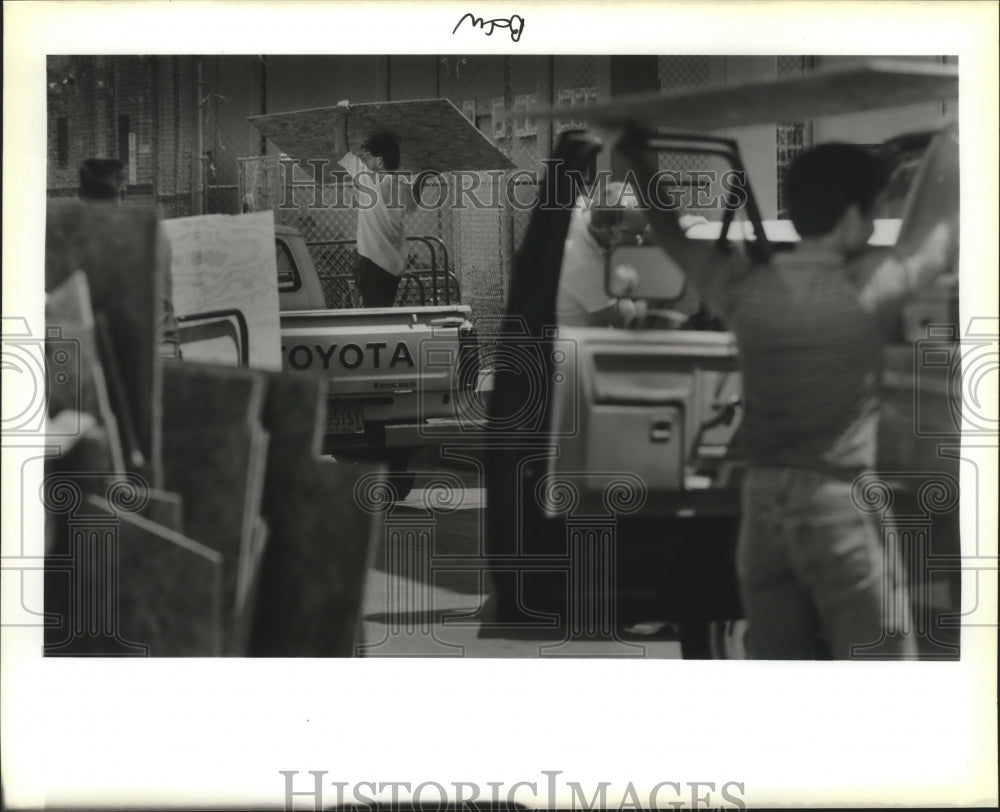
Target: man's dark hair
column 608, row 204
column 823, row 181
column 383, row 145
column 102, row 179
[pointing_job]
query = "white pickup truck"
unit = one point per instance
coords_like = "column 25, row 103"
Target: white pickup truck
column 621, row 496
column 399, row 377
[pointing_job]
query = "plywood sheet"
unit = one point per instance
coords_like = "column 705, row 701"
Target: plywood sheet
column 205, row 396
column 248, row 587
column 433, row 134
column 313, row 570
column 225, row 264
column 170, row 591
column 215, row 455
column 76, row 379
column 166, row 509
column 116, row 247
column 212, row 470
column 872, row 85
column 122, row 585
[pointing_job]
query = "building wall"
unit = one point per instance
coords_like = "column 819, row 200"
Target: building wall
column 138, row 109
column 87, row 96
column 169, row 100
column 302, row 82
column 83, row 99
column 234, row 90
column 758, row 144
column 174, row 147
column 413, row 76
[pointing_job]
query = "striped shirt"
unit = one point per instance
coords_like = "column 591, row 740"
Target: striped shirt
column 809, row 329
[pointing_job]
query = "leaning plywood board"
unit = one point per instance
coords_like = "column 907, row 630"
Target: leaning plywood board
column 433, row 134
column 215, row 453
column 320, row 531
column 873, row 85
column 225, row 273
column 118, row 249
column 117, row 584
column 76, row 379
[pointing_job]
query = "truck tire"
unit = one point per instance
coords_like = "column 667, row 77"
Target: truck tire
column 713, row 640
column 399, row 478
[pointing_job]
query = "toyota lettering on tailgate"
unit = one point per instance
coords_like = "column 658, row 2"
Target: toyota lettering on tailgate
column 347, row 356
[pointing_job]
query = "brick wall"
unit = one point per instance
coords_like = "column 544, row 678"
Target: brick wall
column 138, row 109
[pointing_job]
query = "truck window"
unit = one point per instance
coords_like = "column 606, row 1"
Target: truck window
column 288, row 275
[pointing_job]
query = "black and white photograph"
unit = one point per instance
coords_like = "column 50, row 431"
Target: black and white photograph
column 363, row 410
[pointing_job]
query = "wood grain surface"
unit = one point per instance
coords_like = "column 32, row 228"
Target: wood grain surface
column 433, row 134
column 872, row 85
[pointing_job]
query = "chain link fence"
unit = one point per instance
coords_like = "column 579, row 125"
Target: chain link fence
column 232, row 89
column 134, row 108
column 179, row 123
column 690, row 173
column 464, row 249
column 792, row 136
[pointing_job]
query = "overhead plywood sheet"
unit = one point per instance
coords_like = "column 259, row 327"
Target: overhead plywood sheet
column 433, row 134
column 871, row 85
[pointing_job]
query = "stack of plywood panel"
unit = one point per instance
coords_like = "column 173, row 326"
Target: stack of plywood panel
column 192, row 514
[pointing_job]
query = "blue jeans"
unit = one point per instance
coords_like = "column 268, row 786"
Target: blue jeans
column 812, row 567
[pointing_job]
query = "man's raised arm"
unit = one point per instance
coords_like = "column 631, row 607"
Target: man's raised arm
column 340, row 145
column 928, row 237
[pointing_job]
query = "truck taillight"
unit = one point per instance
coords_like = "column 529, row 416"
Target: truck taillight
column 468, row 357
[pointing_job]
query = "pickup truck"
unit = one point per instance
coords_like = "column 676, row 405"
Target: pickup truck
column 613, row 474
column 398, row 376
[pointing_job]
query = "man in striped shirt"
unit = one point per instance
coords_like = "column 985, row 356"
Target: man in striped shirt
column 809, row 327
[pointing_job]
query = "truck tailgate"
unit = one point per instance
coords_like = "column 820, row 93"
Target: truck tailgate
column 375, row 351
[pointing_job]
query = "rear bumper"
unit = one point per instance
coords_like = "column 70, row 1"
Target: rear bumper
column 429, row 434
column 434, row 432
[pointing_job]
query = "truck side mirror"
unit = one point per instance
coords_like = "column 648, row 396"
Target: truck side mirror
column 643, row 272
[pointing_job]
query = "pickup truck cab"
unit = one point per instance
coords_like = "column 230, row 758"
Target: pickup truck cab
column 398, row 376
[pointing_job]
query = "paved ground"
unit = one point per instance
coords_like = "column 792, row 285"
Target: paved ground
column 428, row 595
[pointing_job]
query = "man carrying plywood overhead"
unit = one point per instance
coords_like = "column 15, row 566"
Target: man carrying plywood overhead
column 382, row 199
column 439, row 139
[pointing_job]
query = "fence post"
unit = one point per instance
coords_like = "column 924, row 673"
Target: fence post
column 197, row 165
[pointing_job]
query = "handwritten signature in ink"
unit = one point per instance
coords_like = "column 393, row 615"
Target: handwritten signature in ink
column 515, row 23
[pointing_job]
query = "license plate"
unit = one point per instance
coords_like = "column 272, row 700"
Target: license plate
column 345, row 420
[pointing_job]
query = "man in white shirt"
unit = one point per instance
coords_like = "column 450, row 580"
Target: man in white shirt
column 382, row 198
column 612, row 217
column 595, row 226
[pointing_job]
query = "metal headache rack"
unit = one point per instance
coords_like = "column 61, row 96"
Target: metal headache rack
column 334, row 270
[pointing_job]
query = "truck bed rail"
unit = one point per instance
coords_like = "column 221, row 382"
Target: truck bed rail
column 436, row 272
